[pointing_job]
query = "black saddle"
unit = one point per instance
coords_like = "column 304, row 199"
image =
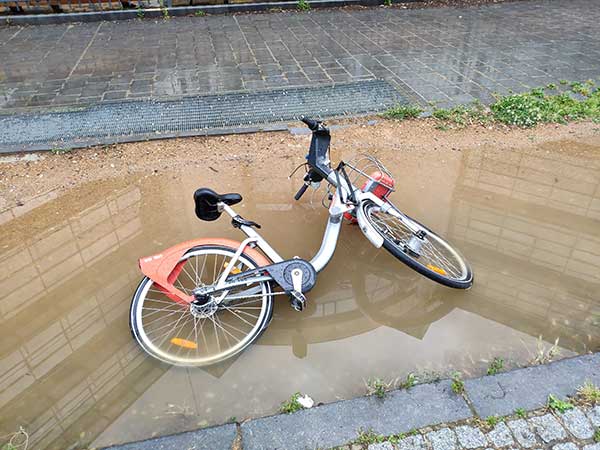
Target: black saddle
column 206, row 203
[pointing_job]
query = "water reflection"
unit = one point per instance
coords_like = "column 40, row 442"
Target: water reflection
column 71, row 374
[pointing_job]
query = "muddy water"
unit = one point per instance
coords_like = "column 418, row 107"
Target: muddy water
column 71, row 375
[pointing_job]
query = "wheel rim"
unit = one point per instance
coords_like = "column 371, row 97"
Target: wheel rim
column 186, row 335
column 434, row 255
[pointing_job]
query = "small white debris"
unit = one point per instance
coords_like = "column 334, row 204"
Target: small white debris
column 306, row 401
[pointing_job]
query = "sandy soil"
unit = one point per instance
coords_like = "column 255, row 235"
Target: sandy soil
column 21, row 179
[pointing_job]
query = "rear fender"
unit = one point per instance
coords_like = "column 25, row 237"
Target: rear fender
column 163, row 268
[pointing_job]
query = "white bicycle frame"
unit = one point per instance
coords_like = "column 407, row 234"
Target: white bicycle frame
column 337, row 209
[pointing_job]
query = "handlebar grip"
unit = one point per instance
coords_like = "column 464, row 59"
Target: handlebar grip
column 310, row 123
column 301, row 192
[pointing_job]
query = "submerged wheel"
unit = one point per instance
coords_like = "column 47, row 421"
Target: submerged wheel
column 205, row 332
column 431, row 255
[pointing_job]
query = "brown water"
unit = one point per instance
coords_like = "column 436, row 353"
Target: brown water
column 72, row 376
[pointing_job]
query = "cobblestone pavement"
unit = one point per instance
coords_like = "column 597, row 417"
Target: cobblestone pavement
column 572, row 430
column 444, row 55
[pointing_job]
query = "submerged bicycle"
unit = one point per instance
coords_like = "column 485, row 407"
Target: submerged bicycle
column 205, row 300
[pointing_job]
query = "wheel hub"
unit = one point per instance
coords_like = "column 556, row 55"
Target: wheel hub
column 203, row 306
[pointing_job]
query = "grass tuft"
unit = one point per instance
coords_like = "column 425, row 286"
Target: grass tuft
column 377, row 387
column 458, row 385
column 303, row 5
column 292, row 405
column 589, row 393
column 558, row 405
column 520, row 413
column 496, row 366
column 402, row 112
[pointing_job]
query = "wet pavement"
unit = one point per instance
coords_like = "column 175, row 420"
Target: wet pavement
column 443, row 55
column 73, row 376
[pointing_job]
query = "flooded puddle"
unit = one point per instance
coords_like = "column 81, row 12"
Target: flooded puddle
column 73, row 377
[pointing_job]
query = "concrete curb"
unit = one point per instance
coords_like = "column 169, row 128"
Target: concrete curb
column 530, row 387
column 400, row 411
column 178, row 11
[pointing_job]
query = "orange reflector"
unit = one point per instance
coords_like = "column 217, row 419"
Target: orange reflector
column 234, row 271
column 437, row 269
column 184, row 343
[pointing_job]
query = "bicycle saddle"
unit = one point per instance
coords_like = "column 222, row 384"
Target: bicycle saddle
column 206, row 203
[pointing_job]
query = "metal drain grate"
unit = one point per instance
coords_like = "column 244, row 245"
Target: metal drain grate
column 210, row 114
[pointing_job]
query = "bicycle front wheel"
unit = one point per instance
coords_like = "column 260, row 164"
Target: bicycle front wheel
column 200, row 335
column 429, row 255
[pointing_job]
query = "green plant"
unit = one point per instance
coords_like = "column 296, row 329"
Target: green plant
column 200, row 13
column 559, row 405
column 463, row 114
column 292, row 405
column 551, row 86
column 396, row 438
column 303, row 5
column 542, row 354
column 140, row 12
column 401, row 112
column 597, row 435
column 9, row 446
column 232, row 419
column 492, row 421
column 520, row 413
column 377, row 387
column 411, row 380
column 387, row 2
column 458, row 385
column 496, row 366
column 60, row 151
column 366, row 437
column 589, row 393
column 563, row 82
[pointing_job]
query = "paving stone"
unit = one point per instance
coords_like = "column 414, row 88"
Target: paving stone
column 443, row 439
column 577, row 423
column 593, row 414
column 591, row 447
column 522, row 433
column 412, row 443
column 548, row 428
column 565, row 446
column 381, row 446
column 470, row 437
column 501, row 436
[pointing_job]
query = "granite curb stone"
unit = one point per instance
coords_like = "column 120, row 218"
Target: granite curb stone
column 529, row 388
column 321, row 426
column 213, row 438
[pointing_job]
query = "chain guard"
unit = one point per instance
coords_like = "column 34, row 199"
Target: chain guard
column 282, row 274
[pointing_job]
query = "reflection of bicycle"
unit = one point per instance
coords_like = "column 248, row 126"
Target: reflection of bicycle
column 205, row 300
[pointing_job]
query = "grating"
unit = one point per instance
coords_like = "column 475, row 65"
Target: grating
column 151, row 119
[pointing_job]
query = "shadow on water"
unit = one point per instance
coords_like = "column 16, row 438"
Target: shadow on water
column 71, row 374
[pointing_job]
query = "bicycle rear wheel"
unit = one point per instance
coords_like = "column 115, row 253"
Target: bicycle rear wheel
column 192, row 335
column 430, row 255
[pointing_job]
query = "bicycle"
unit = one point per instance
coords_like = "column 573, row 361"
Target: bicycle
column 206, row 300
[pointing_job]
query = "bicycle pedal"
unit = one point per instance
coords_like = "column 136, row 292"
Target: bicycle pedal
column 297, row 300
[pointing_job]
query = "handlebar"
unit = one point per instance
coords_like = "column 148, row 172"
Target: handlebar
column 310, row 123
column 301, row 192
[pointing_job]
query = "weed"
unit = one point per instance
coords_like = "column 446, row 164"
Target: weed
column 140, row 12
column 292, row 405
column 232, row 419
column 165, row 13
column 559, row 405
column 564, row 82
column 597, row 435
column 8, row 446
column 551, row 87
column 520, row 413
column 458, row 385
column 441, row 126
column 463, row 115
column 396, row 438
column 377, row 387
column 60, row 151
column 492, row 421
column 387, row 2
column 411, row 380
column 401, row 112
column 303, row 5
column 200, row 13
column 544, row 355
column 368, row 437
column 589, row 393
column 496, row 366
